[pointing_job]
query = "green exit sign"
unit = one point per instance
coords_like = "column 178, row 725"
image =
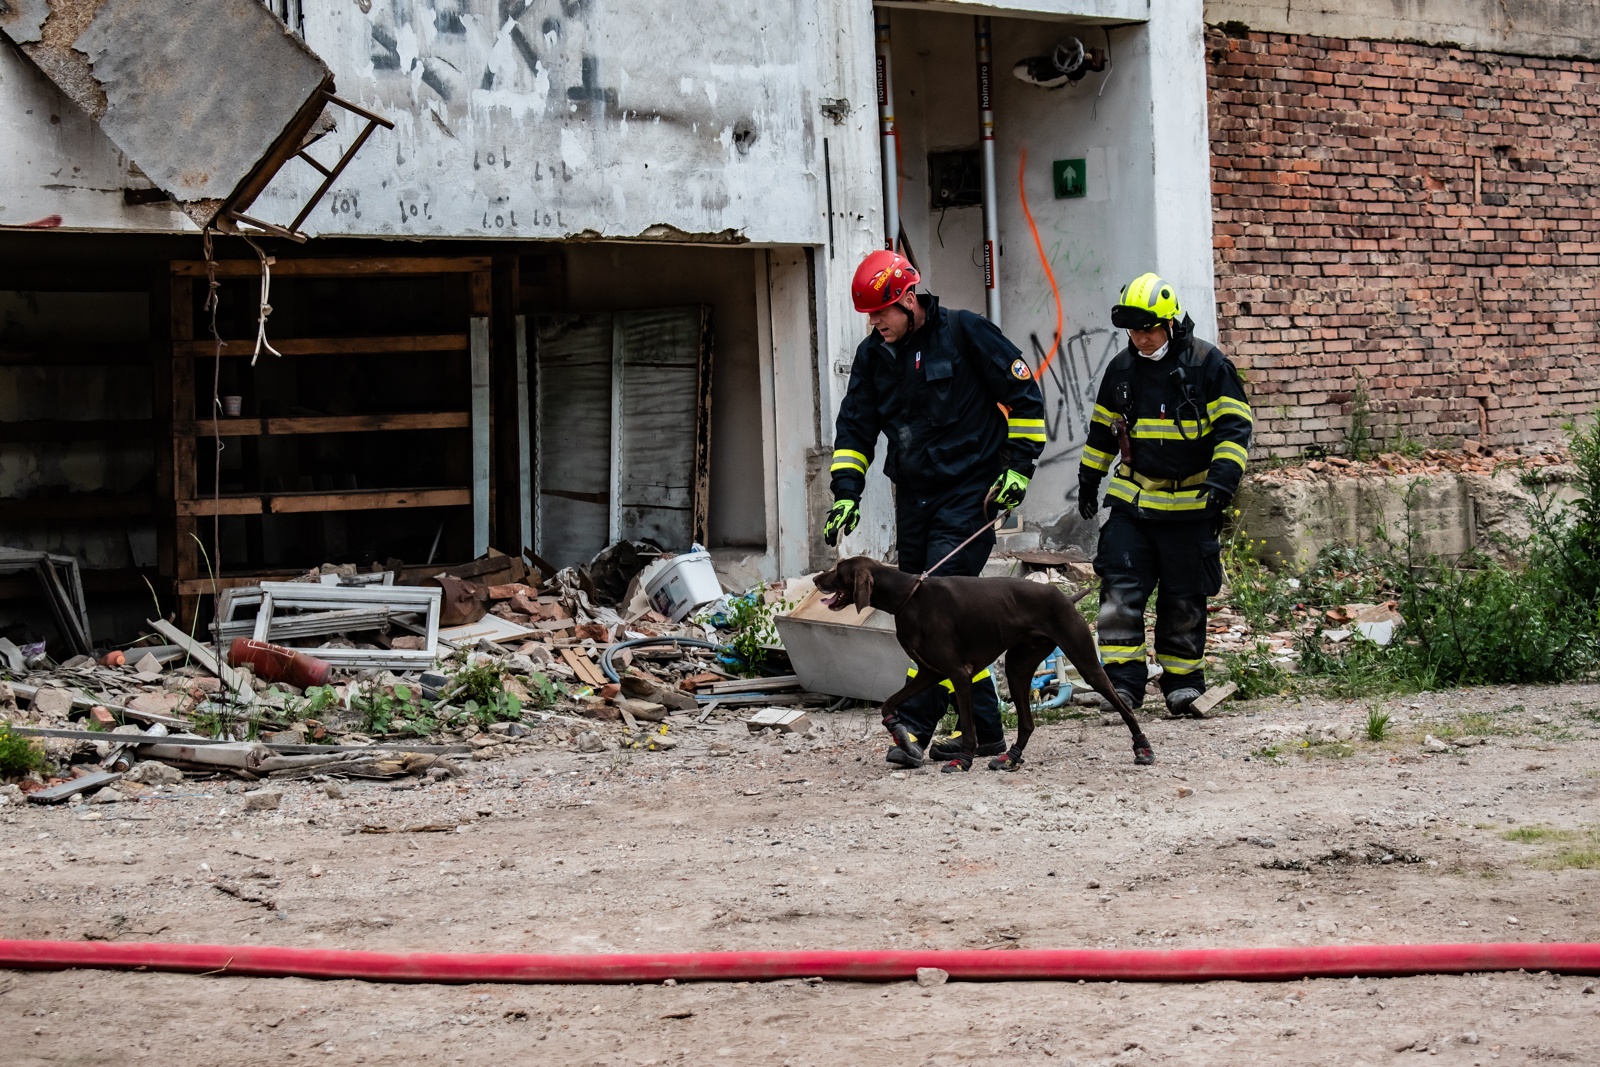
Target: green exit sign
column 1069, row 178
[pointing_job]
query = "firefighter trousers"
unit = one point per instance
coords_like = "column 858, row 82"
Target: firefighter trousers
column 1181, row 562
column 929, row 525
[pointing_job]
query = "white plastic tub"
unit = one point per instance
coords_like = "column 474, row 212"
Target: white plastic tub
column 682, row 583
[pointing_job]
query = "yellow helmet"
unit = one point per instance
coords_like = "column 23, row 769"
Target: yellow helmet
column 1145, row 302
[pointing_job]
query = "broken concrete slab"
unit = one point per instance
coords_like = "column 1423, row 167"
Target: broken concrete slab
column 52, row 702
column 197, row 95
column 785, row 720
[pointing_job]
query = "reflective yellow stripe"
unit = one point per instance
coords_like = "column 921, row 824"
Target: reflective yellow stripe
column 1231, row 451
column 1227, row 405
column 1124, row 490
column 1103, row 415
column 1026, row 429
column 1186, row 500
column 1121, row 653
column 1154, row 499
column 1169, row 429
column 1179, row 665
column 845, row 459
column 1097, row 460
column 911, row 672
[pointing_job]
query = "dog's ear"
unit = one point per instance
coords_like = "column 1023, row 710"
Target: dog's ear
column 863, row 588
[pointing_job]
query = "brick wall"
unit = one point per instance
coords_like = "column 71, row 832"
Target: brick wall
column 1421, row 221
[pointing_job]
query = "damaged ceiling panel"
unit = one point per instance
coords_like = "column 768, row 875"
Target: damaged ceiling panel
column 208, row 99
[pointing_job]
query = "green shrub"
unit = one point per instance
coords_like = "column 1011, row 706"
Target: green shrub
column 1256, row 671
column 1377, row 725
column 19, row 755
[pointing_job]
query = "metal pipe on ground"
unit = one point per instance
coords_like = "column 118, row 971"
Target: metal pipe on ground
column 973, row 965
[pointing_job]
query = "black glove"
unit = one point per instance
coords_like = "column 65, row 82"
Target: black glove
column 1089, row 497
column 1217, row 499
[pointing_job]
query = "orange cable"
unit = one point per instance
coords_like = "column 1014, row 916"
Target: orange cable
column 1055, row 291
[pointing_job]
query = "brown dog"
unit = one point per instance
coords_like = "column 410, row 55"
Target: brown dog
column 952, row 628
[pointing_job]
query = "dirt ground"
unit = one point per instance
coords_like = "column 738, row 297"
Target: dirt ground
column 817, row 844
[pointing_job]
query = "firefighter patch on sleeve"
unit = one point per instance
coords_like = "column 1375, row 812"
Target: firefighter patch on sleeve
column 1020, row 371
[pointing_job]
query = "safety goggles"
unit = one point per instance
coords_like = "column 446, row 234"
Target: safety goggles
column 1126, row 317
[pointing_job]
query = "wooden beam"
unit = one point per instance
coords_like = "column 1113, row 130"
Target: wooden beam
column 421, row 420
column 76, row 429
column 329, row 346
column 299, row 503
column 480, row 435
column 371, row 500
column 74, row 354
column 335, row 267
column 76, row 507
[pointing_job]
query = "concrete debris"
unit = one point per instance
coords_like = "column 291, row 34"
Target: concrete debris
column 262, row 800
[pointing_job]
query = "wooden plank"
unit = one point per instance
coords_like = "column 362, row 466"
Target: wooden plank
column 236, row 682
column 74, row 354
column 299, row 503
column 227, row 505
column 1212, row 697
column 57, row 793
column 335, row 267
column 330, row 346
column 755, row 685
column 701, row 494
column 76, row 507
column 205, row 586
column 480, row 435
column 524, row 438
column 76, row 429
column 420, row 420
column 373, row 500
column 585, row 670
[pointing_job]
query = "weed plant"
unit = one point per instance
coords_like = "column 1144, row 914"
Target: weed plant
column 19, row 755
column 1533, row 617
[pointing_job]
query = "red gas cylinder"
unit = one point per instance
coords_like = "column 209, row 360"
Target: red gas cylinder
column 274, row 663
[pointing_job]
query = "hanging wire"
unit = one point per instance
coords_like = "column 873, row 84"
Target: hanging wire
column 1094, row 113
column 265, row 309
column 214, row 564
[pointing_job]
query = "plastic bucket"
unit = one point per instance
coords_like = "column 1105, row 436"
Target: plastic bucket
column 682, row 583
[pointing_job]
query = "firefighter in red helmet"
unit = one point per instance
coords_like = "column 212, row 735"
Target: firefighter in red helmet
column 964, row 423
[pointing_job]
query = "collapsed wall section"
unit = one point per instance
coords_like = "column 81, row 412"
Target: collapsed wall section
column 1410, row 221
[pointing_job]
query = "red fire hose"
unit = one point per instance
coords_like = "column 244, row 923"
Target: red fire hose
column 1132, row 965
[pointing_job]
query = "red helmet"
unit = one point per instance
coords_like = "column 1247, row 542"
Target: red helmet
column 883, row 278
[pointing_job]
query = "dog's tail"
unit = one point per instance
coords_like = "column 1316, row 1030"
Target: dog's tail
column 1078, row 596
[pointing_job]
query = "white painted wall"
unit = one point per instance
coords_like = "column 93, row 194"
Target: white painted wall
column 538, row 119
column 1142, row 129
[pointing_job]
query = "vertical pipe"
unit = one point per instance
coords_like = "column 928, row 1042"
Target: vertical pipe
column 891, row 164
column 991, row 209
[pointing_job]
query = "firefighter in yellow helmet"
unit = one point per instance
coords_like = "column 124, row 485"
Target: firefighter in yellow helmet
column 1171, row 425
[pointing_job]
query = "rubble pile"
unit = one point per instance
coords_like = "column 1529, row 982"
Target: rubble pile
column 389, row 674
column 1471, row 460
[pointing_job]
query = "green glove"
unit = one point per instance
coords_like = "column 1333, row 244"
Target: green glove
column 1009, row 489
column 845, row 517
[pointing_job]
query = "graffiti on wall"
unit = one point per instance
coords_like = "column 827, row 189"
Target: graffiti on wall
column 1069, row 384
